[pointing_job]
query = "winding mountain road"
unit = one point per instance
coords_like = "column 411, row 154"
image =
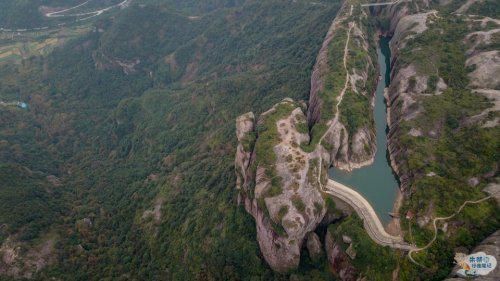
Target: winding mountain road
column 56, row 13
column 434, row 224
column 61, row 14
column 87, row 15
column 384, row 4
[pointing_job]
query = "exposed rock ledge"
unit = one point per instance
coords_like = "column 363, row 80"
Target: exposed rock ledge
column 346, row 152
column 490, row 246
column 280, row 170
column 279, row 193
column 17, row 262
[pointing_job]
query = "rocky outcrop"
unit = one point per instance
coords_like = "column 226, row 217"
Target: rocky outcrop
column 463, row 9
column 20, row 260
column 283, row 157
column 278, row 181
column 245, row 132
column 407, row 27
column 280, row 171
column 338, row 260
column 319, row 71
column 346, row 150
column 479, row 39
column 314, row 246
column 493, row 189
column 410, row 80
column 490, row 246
column 485, row 63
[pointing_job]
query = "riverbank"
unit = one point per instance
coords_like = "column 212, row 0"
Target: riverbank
column 376, row 182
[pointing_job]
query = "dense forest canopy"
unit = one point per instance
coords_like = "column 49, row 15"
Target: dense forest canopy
column 122, row 165
column 103, row 142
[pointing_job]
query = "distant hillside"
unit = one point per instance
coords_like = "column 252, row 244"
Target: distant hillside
column 135, row 120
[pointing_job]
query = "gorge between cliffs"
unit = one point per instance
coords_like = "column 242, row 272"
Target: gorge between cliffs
column 376, row 182
column 284, row 155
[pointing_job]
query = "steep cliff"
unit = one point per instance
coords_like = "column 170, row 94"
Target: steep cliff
column 278, row 181
column 490, row 246
column 442, row 116
column 421, row 71
column 443, row 104
column 403, row 22
column 342, row 87
column 283, row 157
column 338, row 260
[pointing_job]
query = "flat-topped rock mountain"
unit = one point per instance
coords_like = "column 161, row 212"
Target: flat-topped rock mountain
column 283, row 155
column 277, row 181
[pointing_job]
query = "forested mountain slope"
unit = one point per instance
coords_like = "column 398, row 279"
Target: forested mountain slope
column 122, row 165
column 126, row 138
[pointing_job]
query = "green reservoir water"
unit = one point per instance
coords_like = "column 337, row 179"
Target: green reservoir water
column 376, row 182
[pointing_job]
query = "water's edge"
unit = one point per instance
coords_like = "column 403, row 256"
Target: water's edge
column 376, row 182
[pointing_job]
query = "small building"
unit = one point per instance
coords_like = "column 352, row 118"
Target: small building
column 410, row 215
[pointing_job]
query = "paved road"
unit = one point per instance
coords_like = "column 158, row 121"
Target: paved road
column 434, row 224
column 87, row 15
column 384, row 4
column 56, row 14
column 79, row 16
column 371, row 222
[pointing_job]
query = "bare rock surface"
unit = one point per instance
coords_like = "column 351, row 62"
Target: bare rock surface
column 466, row 6
column 480, row 38
column 408, row 27
column 490, row 246
column 486, row 63
column 493, row 189
column 338, row 260
column 314, row 246
column 281, row 196
column 19, row 260
column 155, row 213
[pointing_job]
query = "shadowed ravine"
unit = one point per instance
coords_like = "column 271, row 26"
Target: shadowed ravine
column 376, row 182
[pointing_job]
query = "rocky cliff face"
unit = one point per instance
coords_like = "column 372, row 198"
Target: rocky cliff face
column 343, row 69
column 314, row 246
column 490, row 246
column 278, row 181
column 338, row 260
column 283, row 156
column 412, row 80
column 407, row 84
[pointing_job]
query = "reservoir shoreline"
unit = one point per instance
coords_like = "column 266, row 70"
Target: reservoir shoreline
column 377, row 182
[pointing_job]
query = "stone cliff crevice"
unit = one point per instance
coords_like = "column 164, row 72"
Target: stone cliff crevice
column 282, row 153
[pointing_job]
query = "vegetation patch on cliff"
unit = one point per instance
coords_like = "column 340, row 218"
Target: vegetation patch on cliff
column 372, row 260
column 452, row 158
